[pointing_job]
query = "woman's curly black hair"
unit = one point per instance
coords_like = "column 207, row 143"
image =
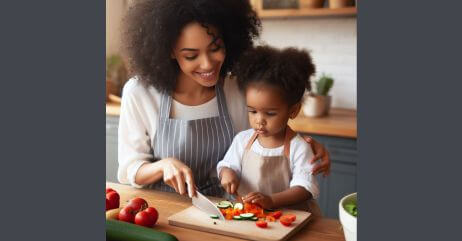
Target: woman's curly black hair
column 288, row 69
column 151, row 28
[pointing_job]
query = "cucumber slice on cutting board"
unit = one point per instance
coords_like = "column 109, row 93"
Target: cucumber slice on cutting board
column 247, row 215
column 238, row 206
column 222, row 205
column 230, row 204
column 237, row 217
column 214, row 216
column 225, row 204
column 254, row 218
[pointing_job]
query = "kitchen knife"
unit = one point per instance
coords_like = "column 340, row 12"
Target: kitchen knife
column 205, row 205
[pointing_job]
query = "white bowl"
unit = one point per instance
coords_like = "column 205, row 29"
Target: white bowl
column 347, row 220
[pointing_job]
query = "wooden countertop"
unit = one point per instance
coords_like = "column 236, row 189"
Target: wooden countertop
column 339, row 122
column 320, row 229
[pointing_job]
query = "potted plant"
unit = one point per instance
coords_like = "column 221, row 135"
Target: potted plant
column 317, row 103
column 340, row 3
column 311, row 3
column 116, row 75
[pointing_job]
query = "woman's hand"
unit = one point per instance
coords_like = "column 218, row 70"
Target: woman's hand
column 176, row 173
column 260, row 199
column 320, row 152
column 229, row 180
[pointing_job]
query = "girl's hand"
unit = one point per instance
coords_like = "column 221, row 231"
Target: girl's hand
column 229, row 180
column 320, row 152
column 260, row 199
column 176, row 173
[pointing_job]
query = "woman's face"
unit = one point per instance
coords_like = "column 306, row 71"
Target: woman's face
column 199, row 54
column 268, row 111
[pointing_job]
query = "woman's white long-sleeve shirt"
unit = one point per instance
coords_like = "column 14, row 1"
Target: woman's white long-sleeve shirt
column 139, row 113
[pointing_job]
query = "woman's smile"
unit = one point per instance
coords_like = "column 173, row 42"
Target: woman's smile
column 207, row 76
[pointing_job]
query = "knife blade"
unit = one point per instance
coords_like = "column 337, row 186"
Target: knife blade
column 205, row 205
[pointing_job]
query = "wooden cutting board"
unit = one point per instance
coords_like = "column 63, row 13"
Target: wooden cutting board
column 193, row 218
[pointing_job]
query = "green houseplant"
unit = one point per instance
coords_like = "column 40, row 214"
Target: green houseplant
column 317, row 103
column 116, row 75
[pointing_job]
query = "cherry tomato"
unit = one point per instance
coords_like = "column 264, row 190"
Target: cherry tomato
column 276, row 214
column 261, row 224
column 114, row 199
column 108, row 190
column 127, row 214
column 138, row 204
column 108, row 204
column 292, row 217
column 153, row 212
column 144, row 218
column 286, row 221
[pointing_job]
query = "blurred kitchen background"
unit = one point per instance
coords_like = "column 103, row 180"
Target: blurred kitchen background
column 327, row 28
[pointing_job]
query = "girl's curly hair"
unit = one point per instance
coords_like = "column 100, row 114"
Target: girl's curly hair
column 288, row 69
column 151, row 28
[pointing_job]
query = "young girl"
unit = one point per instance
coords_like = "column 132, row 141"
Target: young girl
column 267, row 164
column 180, row 112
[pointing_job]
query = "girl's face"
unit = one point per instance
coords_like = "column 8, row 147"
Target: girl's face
column 199, row 55
column 268, row 111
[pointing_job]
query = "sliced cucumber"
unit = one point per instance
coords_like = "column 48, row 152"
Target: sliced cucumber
column 247, row 215
column 237, row 217
column 223, row 205
column 238, row 206
column 230, row 204
column 254, row 218
column 214, row 216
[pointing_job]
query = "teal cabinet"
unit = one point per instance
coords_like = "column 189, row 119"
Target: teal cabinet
column 112, row 123
column 342, row 179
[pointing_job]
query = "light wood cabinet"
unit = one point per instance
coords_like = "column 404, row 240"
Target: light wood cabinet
column 302, row 12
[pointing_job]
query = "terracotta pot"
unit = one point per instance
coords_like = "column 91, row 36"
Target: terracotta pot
column 316, row 105
column 340, row 3
column 110, row 89
column 311, row 3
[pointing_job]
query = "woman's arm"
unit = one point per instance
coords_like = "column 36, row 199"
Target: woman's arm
column 320, row 152
column 287, row 197
column 172, row 171
column 137, row 114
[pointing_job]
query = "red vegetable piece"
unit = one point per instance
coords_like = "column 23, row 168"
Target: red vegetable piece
column 276, row 214
column 114, row 199
column 261, row 224
column 286, row 221
column 145, row 219
column 291, row 216
column 138, row 204
column 127, row 214
column 153, row 212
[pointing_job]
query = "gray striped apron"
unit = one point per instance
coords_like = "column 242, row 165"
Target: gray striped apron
column 200, row 143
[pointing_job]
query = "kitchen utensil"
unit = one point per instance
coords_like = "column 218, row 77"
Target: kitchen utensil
column 204, row 204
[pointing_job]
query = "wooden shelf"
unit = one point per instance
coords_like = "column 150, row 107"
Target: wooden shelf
column 302, row 12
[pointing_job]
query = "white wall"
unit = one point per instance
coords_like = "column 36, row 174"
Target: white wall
column 114, row 13
column 332, row 44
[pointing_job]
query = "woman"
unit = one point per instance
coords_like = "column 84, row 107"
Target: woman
column 181, row 111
